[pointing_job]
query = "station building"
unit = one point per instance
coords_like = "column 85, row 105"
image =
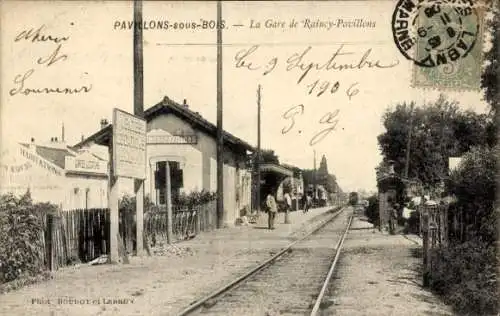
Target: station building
column 183, row 142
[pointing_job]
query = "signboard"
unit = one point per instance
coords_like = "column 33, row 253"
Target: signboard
column 172, row 139
column 84, row 163
column 129, row 145
column 162, row 137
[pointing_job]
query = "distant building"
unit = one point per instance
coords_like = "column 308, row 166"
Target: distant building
column 187, row 141
column 54, row 172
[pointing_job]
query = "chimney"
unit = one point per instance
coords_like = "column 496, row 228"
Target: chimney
column 104, row 123
column 185, row 103
column 83, row 138
column 32, row 144
column 62, row 133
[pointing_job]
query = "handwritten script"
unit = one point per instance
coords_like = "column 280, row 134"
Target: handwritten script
column 302, row 62
column 56, row 56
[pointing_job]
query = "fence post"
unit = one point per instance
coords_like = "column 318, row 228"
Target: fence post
column 425, row 250
column 50, row 241
column 169, row 204
column 444, row 223
column 198, row 222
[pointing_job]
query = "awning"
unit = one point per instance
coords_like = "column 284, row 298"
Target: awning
column 276, row 169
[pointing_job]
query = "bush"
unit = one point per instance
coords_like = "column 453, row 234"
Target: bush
column 183, row 201
column 194, row 198
column 465, row 272
column 465, row 275
column 21, row 236
column 413, row 226
column 474, row 186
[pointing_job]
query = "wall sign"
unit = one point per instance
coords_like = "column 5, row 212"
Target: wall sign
column 129, row 145
column 37, row 160
column 172, row 139
column 85, row 163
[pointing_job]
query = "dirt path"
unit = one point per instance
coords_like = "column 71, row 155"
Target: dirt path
column 379, row 274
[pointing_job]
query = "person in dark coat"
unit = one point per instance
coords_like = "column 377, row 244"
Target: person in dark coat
column 393, row 217
column 272, row 209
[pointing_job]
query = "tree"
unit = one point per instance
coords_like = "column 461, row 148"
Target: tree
column 439, row 131
column 329, row 181
column 268, row 156
column 490, row 77
column 474, row 186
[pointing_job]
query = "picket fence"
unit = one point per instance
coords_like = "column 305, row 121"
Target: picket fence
column 82, row 235
column 186, row 222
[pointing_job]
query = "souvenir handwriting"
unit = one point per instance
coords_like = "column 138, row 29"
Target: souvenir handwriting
column 40, row 36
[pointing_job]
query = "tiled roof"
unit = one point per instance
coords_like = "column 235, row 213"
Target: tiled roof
column 53, row 154
column 167, row 105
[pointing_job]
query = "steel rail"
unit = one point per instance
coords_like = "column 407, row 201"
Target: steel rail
column 194, row 306
column 332, row 268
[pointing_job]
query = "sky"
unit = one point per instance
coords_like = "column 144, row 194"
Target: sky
column 94, row 50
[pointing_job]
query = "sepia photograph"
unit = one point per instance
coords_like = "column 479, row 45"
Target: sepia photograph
column 253, row 158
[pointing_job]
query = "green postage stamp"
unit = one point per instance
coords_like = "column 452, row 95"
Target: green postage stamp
column 445, row 41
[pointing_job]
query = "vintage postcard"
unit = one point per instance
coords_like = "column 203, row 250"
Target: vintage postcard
column 249, row 157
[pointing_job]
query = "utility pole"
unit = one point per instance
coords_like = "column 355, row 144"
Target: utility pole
column 408, row 143
column 314, row 176
column 138, row 111
column 220, row 136
column 258, row 150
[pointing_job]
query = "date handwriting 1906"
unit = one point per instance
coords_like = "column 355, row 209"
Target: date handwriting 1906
column 38, row 36
column 301, row 62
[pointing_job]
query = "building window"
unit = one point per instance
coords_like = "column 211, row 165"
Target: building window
column 176, row 181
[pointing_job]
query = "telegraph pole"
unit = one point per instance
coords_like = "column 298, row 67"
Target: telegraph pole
column 408, row 143
column 314, row 177
column 139, row 111
column 258, row 149
column 220, row 136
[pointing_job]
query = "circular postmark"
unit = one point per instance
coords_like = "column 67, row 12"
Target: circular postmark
column 435, row 32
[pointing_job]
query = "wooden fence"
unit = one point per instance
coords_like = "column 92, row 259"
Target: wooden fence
column 82, row 235
column 75, row 236
column 434, row 232
column 186, row 222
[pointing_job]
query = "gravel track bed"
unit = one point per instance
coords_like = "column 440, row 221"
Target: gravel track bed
column 290, row 285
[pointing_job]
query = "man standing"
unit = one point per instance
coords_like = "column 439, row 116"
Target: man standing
column 393, row 217
column 288, row 207
column 308, row 202
column 272, row 209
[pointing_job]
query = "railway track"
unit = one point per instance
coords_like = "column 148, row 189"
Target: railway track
column 292, row 282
